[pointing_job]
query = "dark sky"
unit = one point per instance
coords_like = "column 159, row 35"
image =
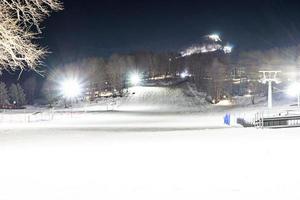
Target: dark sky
column 95, row 27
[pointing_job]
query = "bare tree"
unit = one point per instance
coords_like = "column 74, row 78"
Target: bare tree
column 20, row 22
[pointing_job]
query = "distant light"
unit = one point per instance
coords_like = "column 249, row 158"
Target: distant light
column 135, row 79
column 184, row 74
column 294, row 89
column 215, row 37
column 224, row 103
column 227, row 49
column 71, row 88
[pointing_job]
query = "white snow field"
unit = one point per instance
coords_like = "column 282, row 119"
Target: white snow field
column 149, row 147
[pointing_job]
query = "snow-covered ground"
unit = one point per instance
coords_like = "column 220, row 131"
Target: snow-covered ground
column 145, row 157
column 147, row 146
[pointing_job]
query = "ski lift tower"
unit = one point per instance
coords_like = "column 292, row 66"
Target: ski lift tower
column 269, row 77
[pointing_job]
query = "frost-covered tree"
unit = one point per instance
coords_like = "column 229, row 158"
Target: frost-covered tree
column 3, row 94
column 20, row 26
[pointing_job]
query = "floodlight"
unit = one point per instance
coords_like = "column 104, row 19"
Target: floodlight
column 215, row 37
column 227, row 49
column 71, row 88
column 135, row 79
column 184, row 74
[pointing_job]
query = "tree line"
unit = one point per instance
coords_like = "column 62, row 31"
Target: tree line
column 211, row 72
column 116, row 68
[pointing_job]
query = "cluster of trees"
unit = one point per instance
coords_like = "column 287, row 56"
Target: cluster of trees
column 116, row 69
column 211, row 72
column 275, row 58
column 14, row 95
column 281, row 59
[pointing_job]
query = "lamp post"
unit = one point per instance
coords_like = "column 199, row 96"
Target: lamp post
column 169, row 71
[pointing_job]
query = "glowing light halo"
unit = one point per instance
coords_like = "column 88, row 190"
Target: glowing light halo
column 71, row 88
column 227, row 49
column 215, row 37
column 135, row 79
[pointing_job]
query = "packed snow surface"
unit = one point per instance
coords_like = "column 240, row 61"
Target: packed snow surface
column 145, row 146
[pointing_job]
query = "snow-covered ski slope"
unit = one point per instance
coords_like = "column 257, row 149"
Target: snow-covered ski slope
column 181, row 97
column 162, row 99
column 177, row 98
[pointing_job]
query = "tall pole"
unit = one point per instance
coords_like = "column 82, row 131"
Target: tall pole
column 270, row 95
column 170, row 59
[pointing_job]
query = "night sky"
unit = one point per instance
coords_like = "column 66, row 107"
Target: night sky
column 100, row 28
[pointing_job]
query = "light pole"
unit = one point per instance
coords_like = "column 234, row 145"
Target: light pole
column 170, row 60
column 270, row 76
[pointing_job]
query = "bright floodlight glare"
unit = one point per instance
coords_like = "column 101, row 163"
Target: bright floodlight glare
column 71, row 88
column 294, row 89
column 184, row 74
column 215, row 37
column 227, row 49
column 135, row 79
